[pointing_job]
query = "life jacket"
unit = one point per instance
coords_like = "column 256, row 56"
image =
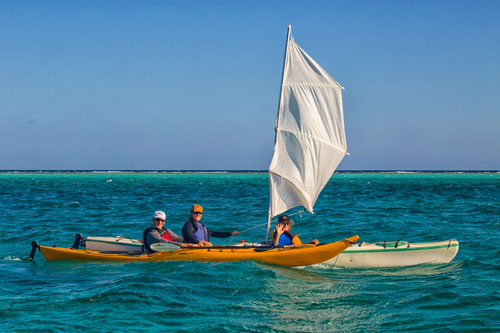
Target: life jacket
column 292, row 238
column 200, row 231
column 164, row 233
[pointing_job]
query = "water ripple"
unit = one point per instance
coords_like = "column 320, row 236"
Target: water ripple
column 226, row 297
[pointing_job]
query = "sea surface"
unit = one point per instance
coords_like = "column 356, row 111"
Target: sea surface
column 64, row 296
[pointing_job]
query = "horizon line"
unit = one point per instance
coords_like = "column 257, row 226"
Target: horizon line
column 246, row 171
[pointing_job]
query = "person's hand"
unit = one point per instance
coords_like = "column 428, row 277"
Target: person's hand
column 189, row 245
column 204, row 243
column 315, row 242
column 280, row 228
column 234, row 233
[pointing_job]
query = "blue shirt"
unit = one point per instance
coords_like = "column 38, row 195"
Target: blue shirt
column 284, row 240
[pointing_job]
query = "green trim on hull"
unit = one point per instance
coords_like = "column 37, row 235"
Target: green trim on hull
column 391, row 244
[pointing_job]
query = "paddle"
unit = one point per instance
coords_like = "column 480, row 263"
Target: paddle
column 164, row 247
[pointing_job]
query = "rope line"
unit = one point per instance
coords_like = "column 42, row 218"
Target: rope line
column 260, row 225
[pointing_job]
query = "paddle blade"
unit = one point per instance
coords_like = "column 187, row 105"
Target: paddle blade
column 164, row 247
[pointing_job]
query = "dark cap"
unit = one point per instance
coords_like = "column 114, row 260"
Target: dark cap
column 284, row 219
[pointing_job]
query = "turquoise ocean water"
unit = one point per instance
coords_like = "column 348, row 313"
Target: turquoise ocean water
column 51, row 208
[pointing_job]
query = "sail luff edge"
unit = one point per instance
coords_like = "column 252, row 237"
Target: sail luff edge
column 288, row 36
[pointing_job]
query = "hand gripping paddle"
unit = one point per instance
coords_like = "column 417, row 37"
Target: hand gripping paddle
column 159, row 247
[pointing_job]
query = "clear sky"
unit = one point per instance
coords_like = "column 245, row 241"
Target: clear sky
column 194, row 84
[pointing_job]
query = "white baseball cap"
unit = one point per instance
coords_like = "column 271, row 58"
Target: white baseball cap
column 159, row 214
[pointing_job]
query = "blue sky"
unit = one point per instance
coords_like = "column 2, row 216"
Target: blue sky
column 194, row 84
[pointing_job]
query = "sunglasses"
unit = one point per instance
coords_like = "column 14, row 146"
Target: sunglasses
column 196, row 213
column 158, row 220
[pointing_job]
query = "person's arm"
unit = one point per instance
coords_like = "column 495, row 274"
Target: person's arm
column 175, row 237
column 204, row 243
column 280, row 229
column 155, row 237
column 178, row 240
column 219, row 234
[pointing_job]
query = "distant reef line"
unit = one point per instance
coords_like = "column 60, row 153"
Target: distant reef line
column 241, row 171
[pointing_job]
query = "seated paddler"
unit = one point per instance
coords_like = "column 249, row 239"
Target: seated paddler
column 159, row 234
column 196, row 232
column 282, row 235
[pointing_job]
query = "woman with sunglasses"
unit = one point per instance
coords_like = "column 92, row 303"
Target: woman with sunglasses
column 282, row 235
column 159, row 234
column 196, row 232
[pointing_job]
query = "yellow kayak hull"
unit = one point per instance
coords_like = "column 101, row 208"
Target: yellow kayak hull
column 288, row 256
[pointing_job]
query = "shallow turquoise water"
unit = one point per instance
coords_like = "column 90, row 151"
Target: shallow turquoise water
column 62, row 296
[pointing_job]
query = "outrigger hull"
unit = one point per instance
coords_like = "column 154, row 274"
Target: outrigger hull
column 287, row 256
column 384, row 254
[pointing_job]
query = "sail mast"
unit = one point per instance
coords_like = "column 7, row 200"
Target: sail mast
column 288, row 36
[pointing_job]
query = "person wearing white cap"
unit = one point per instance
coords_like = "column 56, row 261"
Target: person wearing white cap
column 159, row 234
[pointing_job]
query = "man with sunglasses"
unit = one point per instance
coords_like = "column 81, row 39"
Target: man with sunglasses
column 159, row 234
column 282, row 235
column 196, row 232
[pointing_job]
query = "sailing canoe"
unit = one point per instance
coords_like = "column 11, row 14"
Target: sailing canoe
column 395, row 254
column 282, row 256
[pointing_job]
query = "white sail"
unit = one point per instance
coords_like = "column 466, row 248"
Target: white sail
column 310, row 135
